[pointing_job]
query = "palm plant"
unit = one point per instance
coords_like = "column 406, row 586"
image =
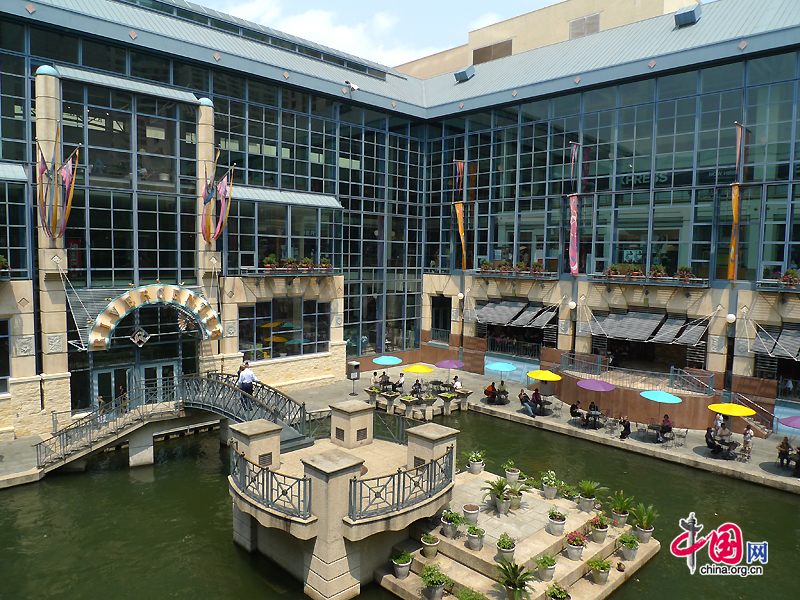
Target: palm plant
column 514, row 577
column 644, row 516
column 498, row 488
column 620, row 503
column 589, row 489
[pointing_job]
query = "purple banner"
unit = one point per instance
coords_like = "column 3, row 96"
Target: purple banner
column 573, row 234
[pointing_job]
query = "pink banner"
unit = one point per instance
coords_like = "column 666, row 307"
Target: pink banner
column 573, row 234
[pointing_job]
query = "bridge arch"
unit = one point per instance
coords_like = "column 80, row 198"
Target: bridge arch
column 191, row 304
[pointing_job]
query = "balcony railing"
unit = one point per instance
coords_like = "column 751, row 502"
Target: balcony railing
column 677, row 379
column 776, row 284
column 648, row 280
column 440, row 335
column 763, row 416
column 789, row 389
column 299, row 271
column 514, row 273
column 514, row 348
column 281, row 493
column 392, row 493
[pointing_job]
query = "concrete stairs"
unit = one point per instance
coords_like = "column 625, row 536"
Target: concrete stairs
column 478, row 570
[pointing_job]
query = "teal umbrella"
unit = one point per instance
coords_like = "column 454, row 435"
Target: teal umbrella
column 501, row 366
column 296, row 341
column 387, row 360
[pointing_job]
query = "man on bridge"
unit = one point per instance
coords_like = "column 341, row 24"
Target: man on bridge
column 245, row 383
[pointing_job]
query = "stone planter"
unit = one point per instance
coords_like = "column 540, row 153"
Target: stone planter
column 586, row 504
column 448, row 529
column 600, row 577
column 619, row 518
column 515, row 500
column 475, row 467
column 471, row 512
column 429, row 400
column 629, row 553
column 433, row 593
column 373, row 396
column 390, row 397
column 430, row 550
column 508, row 554
column 556, row 527
column 574, row 552
column 474, row 542
column 599, row 535
column 502, row 504
column 401, row 571
column 547, row 573
column 549, row 492
column 409, row 404
column 643, row 534
column 512, row 475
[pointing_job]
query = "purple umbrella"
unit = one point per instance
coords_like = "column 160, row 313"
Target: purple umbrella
column 596, row 385
column 449, row 364
column 793, row 422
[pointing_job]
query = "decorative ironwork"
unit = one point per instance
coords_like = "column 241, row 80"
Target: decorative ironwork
column 140, row 337
column 392, row 493
column 319, row 424
column 391, row 427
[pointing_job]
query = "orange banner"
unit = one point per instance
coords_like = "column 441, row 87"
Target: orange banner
column 460, row 215
column 733, row 252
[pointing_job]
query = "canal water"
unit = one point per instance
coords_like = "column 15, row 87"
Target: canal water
column 165, row 531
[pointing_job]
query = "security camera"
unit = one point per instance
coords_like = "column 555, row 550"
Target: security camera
column 353, row 86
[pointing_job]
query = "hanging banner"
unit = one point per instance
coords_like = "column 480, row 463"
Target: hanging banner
column 460, row 215
column 733, row 252
column 573, row 234
column 222, row 192
column 54, row 207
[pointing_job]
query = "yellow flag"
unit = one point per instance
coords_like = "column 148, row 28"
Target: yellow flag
column 733, row 252
column 460, row 215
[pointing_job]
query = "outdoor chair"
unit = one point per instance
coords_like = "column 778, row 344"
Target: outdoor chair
column 641, row 428
column 612, row 425
column 669, row 439
column 557, row 408
column 744, row 454
column 680, row 436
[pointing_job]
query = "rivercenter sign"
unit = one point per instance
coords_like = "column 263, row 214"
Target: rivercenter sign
column 183, row 299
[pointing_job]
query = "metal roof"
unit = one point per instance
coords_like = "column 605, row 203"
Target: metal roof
column 614, row 54
column 12, row 172
column 260, row 194
column 122, row 83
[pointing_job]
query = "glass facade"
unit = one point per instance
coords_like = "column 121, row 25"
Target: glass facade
column 284, row 327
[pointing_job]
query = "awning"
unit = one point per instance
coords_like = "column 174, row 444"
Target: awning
column 527, row 316
column 12, row 172
column 692, row 334
column 636, row 326
column 543, row 318
column 611, row 325
column 504, row 312
column 764, row 342
column 668, row 330
column 262, row 194
column 788, row 344
column 130, row 85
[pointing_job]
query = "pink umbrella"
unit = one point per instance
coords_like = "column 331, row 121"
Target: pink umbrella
column 793, row 422
column 449, row 364
column 596, row 385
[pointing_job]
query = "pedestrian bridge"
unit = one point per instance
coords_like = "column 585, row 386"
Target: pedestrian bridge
column 157, row 401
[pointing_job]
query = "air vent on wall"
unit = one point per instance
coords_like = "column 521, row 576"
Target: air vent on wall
column 688, row 15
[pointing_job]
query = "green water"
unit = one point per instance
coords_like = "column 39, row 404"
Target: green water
column 165, row 531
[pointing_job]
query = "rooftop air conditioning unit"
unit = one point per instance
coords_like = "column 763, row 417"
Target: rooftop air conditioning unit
column 465, row 74
column 688, row 15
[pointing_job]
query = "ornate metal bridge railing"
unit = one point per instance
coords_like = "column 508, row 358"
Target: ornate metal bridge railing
column 390, row 427
column 282, row 493
column 148, row 400
column 391, row 493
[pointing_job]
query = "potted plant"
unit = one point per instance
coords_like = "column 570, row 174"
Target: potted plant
column 537, row 268
column 613, row 271
column 515, row 489
column 475, row 537
column 569, row 492
column 589, row 491
column 657, row 272
column 471, row 512
column 599, row 524
column 401, row 563
column 467, row 593
column 634, row 271
column 685, row 273
column 434, row 581
column 325, row 263
column 486, row 265
column 789, row 279
column 557, row 521
column 629, row 544
column 546, row 564
column 643, row 518
column 514, row 578
column 576, row 542
column 495, row 489
column 557, row 592
column 430, row 545
column 270, row 262
column 307, row 264
column 620, row 504
column 521, row 267
column 451, row 521
column 373, row 392
column 506, row 546
column 290, row 262
column 600, row 568
column 504, row 266
column 475, row 460
column 512, row 473
column 550, row 484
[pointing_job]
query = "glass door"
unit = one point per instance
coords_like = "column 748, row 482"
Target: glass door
column 110, row 384
column 160, row 381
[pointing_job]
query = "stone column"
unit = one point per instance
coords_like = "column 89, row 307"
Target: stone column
column 259, row 441
column 428, row 442
column 332, row 573
column 351, row 423
column 140, row 446
column 52, row 299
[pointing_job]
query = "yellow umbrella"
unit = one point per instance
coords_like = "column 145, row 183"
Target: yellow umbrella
column 275, row 324
column 541, row 375
column 732, row 410
column 276, row 338
column 418, row 369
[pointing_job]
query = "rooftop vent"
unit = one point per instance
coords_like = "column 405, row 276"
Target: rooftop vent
column 465, row 74
column 688, row 15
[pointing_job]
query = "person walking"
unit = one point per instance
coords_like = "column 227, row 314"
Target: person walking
column 245, row 383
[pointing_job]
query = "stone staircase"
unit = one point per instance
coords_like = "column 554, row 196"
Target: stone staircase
column 478, row 570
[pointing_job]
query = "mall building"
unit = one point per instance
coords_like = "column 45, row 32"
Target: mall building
column 629, row 194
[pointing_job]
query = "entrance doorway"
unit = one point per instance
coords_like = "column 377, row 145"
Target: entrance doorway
column 160, row 381
column 110, row 384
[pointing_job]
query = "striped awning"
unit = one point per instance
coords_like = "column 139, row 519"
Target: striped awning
column 692, row 334
column 637, row 327
column 527, row 316
column 543, row 318
column 788, row 344
column 668, row 330
column 764, row 342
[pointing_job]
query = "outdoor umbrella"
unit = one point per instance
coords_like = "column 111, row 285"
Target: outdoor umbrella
column 542, row 375
column 449, row 364
column 500, row 366
column 732, row 410
column 418, row 369
column 791, row 422
column 276, row 338
column 596, row 385
column 297, row 341
column 387, row 360
column 661, row 397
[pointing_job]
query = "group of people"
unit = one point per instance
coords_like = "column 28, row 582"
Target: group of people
column 531, row 405
column 383, row 382
column 592, row 412
column 719, row 438
column 784, row 451
column 496, row 395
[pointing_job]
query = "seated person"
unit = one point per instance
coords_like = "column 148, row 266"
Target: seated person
column 536, row 398
column 528, row 407
column 384, row 381
column 456, row 383
column 666, row 427
column 724, row 434
column 374, row 380
column 784, row 448
column 626, row 428
column 416, row 389
column 711, row 443
column 399, row 383
column 593, row 407
column 575, row 412
column 502, row 391
column 491, row 393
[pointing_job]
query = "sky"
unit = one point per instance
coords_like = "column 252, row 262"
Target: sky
column 389, row 32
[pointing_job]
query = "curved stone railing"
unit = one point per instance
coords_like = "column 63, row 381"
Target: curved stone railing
column 281, row 493
column 392, row 493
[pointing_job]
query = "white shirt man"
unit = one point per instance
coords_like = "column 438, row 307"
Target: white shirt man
column 724, row 434
column 456, row 383
column 246, row 379
column 400, row 382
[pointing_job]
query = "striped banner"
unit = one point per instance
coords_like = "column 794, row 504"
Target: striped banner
column 460, row 215
column 733, row 252
column 573, row 234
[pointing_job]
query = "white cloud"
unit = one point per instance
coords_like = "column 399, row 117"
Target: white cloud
column 489, row 18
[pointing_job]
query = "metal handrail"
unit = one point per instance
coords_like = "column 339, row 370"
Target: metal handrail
column 683, row 379
column 391, row 493
column 282, row 493
column 319, row 424
column 763, row 416
column 391, row 427
column 514, row 348
column 789, row 389
column 440, row 335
